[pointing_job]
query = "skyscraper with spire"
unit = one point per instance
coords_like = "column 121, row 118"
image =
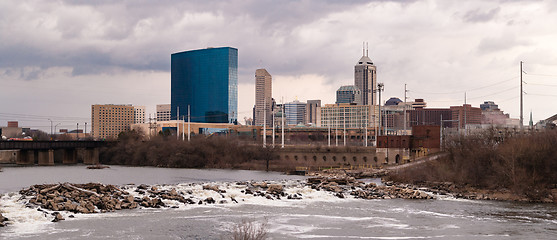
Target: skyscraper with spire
column 365, row 78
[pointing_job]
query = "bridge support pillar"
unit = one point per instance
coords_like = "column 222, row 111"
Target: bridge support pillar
column 26, row 157
column 46, row 157
column 91, row 156
column 70, row 156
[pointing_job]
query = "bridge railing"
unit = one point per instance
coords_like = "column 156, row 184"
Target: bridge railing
column 12, row 145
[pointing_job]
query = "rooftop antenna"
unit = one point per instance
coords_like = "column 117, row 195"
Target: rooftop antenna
column 367, row 49
column 364, row 48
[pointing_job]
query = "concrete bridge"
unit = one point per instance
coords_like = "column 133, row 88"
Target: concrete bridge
column 50, row 152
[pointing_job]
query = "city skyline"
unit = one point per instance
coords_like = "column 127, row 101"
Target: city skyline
column 64, row 57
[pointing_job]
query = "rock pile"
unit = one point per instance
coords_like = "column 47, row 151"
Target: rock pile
column 79, row 198
column 348, row 185
column 58, row 199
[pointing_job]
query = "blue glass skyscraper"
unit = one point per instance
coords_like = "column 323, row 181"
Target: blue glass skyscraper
column 207, row 81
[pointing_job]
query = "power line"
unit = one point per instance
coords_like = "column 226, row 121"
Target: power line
column 472, row 98
column 469, row 90
column 543, row 75
column 547, row 85
column 545, row 95
column 33, row 116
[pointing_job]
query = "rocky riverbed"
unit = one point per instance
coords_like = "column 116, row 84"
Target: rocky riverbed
column 66, row 200
column 439, row 188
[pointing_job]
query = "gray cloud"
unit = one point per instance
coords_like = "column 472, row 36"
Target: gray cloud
column 103, row 34
column 478, row 15
column 430, row 45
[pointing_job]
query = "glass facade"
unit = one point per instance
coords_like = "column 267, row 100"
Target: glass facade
column 353, row 116
column 295, row 112
column 349, row 94
column 207, row 81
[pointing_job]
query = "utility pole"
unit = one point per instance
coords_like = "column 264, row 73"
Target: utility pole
column 264, row 122
column 85, row 131
column 344, row 131
column 189, row 120
column 380, row 88
column 441, row 137
column 405, row 106
column 56, row 126
column 183, row 127
column 365, row 128
column 375, row 125
column 336, row 131
column 329, row 131
column 283, row 109
column 465, row 114
column 77, row 132
column 273, row 128
column 177, row 124
column 150, row 126
column 50, row 129
column 521, row 99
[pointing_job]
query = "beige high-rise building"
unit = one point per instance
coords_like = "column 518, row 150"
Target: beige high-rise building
column 109, row 120
column 349, row 115
column 311, row 111
column 139, row 114
column 263, row 97
column 365, row 78
column 163, row 112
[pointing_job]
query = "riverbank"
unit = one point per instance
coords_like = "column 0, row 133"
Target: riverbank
column 460, row 191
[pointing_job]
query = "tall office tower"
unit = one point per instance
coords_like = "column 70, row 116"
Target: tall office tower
column 263, row 97
column 295, row 112
column 139, row 114
column 206, row 80
column 163, row 112
column 365, row 78
column 349, row 94
column 109, row 120
column 311, row 111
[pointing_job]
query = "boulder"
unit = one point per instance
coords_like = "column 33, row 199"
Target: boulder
column 275, row 189
column 173, row 192
column 90, row 207
column 212, row 187
column 261, row 185
column 57, row 217
column 315, row 180
column 209, row 200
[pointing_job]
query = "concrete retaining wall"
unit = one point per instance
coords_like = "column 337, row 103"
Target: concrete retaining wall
column 329, row 156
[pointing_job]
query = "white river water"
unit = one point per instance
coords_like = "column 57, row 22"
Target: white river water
column 319, row 215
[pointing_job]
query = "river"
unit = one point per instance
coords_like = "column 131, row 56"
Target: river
column 319, row 215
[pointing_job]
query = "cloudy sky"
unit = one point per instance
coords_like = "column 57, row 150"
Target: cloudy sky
column 57, row 58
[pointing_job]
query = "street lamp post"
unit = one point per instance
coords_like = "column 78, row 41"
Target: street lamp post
column 56, row 126
column 50, row 128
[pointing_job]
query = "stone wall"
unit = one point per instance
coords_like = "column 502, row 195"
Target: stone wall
column 329, row 156
column 8, row 156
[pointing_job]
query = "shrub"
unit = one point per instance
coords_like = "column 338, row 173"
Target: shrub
column 248, row 230
column 523, row 163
